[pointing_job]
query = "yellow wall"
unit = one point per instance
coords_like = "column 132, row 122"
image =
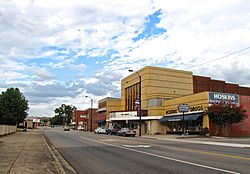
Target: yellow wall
column 191, row 100
column 158, row 82
column 156, row 127
column 112, row 104
column 194, row 100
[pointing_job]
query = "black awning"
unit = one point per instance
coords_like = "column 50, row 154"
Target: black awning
column 176, row 118
column 101, row 121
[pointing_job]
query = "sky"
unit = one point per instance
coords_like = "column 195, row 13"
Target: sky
column 63, row 50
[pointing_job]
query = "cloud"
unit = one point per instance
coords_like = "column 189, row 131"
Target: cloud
column 57, row 51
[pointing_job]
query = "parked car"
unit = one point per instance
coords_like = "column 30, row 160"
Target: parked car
column 100, row 130
column 113, row 131
column 126, row 132
column 80, row 128
column 66, row 128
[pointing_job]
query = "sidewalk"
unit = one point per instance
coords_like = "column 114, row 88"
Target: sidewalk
column 243, row 142
column 26, row 153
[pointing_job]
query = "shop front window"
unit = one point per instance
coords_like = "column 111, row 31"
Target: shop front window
column 193, row 126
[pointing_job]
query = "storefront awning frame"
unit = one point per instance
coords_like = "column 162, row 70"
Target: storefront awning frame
column 189, row 116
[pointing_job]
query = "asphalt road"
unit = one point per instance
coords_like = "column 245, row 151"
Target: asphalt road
column 89, row 153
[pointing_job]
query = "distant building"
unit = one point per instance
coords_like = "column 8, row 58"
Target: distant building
column 31, row 122
column 83, row 118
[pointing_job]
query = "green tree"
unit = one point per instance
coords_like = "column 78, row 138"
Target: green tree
column 223, row 115
column 13, row 107
column 65, row 111
column 56, row 120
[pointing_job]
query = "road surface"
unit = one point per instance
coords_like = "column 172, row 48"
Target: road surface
column 89, row 153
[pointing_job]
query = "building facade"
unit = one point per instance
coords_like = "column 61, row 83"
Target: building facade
column 105, row 107
column 163, row 90
column 80, row 118
column 83, row 118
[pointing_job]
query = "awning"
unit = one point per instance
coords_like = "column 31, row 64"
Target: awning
column 102, row 110
column 176, row 118
column 101, row 121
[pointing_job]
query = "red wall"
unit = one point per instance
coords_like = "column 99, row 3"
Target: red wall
column 239, row 129
column 202, row 84
column 76, row 117
column 86, row 121
column 243, row 129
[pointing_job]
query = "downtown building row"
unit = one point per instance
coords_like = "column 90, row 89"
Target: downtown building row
column 162, row 91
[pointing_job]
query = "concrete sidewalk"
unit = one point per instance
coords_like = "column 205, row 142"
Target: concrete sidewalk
column 218, row 141
column 26, row 153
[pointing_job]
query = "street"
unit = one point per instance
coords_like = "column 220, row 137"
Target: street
column 90, row 153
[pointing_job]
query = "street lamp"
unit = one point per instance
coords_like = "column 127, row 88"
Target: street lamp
column 139, row 99
column 64, row 115
column 91, row 101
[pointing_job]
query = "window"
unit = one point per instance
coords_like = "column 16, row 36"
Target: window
column 132, row 93
column 154, row 102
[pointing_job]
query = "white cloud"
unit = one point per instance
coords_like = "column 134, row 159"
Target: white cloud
column 72, row 34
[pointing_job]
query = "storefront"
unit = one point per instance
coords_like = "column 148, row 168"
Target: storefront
column 196, row 118
column 193, row 122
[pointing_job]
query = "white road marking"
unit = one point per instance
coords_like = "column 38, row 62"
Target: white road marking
column 144, row 146
column 164, row 157
column 108, row 140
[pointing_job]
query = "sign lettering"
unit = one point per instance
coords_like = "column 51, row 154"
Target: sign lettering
column 215, row 97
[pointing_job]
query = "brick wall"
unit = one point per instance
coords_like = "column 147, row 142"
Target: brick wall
column 239, row 129
column 243, row 129
column 202, row 84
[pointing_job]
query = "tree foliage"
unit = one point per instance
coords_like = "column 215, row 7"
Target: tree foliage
column 223, row 115
column 64, row 114
column 13, row 107
column 56, row 120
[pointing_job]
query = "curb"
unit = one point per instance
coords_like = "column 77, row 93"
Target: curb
column 225, row 144
column 60, row 162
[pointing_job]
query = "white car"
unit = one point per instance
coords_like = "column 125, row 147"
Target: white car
column 80, row 128
column 100, row 130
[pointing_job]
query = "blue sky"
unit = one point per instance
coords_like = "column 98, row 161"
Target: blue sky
column 58, row 52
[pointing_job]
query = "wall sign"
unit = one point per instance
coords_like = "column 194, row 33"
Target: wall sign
column 171, row 111
column 191, row 109
column 215, row 97
column 83, row 115
column 183, row 108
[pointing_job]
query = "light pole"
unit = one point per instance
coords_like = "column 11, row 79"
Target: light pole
column 91, row 105
column 75, row 119
column 64, row 115
column 139, row 99
column 183, row 108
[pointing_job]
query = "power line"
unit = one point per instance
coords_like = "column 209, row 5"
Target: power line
column 222, row 57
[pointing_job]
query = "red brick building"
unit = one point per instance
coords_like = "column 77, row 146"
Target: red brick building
column 201, row 84
column 83, row 118
column 80, row 118
column 242, row 129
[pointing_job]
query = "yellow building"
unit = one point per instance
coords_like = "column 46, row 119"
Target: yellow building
column 195, row 118
column 157, row 85
column 107, row 105
column 161, row 91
